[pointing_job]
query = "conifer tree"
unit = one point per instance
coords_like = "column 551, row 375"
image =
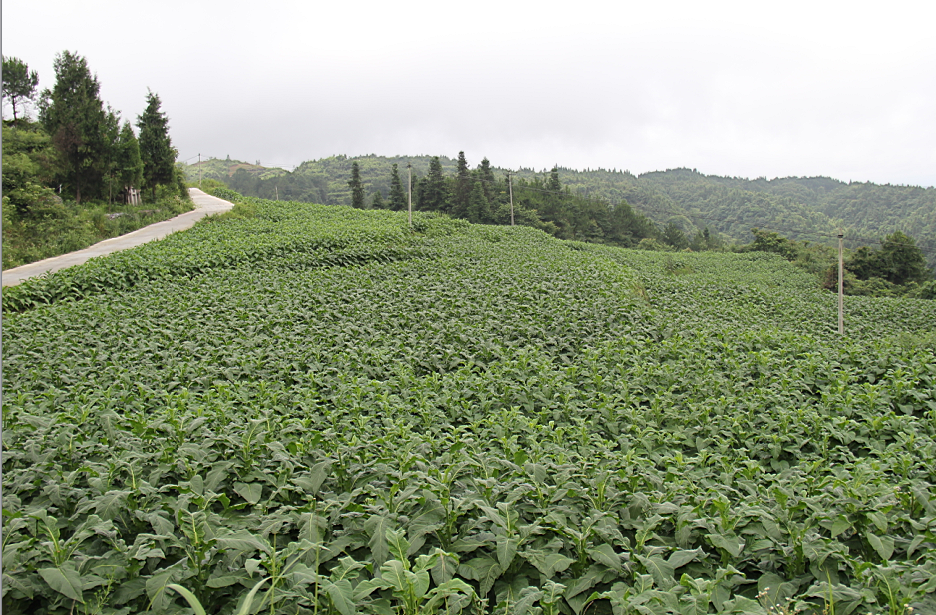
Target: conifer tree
column 357, row 187
column 73, row 114
column 479, row 210
column 156, row 149
column 462, row 189
column 129, row 162
column 674, row 236
column 554, row 184
column 397, row 193
column 432, row 191
column 486, row 174
column 377, row 201
column 112, row 137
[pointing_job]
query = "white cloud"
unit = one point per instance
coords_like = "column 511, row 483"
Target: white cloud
column 734, row 88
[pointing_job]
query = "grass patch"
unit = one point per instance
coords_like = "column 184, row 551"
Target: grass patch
column 65, row 227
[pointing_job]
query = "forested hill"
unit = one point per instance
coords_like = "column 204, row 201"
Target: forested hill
column 807, row 208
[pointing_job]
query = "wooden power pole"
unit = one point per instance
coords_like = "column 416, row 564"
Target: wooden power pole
column 841, row 288
column 409, row 190
column 510, row 189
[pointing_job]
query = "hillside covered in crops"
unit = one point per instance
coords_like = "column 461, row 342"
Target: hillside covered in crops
column 803, row 208
column 316, row 409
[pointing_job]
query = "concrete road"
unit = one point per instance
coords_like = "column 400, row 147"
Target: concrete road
column 204, row 205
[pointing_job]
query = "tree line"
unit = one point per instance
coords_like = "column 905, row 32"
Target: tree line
column 895, row 267
column 482, row 196
column 79, row 150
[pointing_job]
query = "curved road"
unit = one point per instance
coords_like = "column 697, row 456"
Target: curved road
column 204, row 205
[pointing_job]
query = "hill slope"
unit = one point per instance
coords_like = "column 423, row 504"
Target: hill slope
column 800, row 208
column 502, row 416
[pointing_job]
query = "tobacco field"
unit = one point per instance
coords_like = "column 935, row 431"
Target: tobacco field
column 318, row 410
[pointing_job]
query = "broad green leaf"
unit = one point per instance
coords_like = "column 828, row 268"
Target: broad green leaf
column 64, row 580
column 914, row 544
column 775, row 587
column 495, row 517
column 197, row 484
column 437, row 597
column 377, row 526
column 507, row 590
column 252, row 565
column 605, row 554
column 342, row 596
column 319, row 473
column 529, row 597
column 419, row 582
column 485, row 570
column 879, row 520
column 366, row 588
column 592, row 576
column 397, row 544
column 219, row 471
column 129, row 590
column 246, row 605
column 189, row 597
column 393, row 573
column 225, row 580
column 242, row 541
column 549, row 563
column 661, row 571
column 251, row 492
column 445, row 567
column 840, row 525
column 506, row 550
column 731, row 544
column 538, row 471
column 680, row 558
column 111, row 504
column 156, row 588
column 884, row 545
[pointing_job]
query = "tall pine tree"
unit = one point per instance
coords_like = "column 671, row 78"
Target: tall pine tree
column 479, row 210
column 397, row 193
column 554, row 184
column 433, row 193
column 129, row 162
column 73, row 114
column 156, row 149
column 461, row 193
column 357, row 187
column 488, row 183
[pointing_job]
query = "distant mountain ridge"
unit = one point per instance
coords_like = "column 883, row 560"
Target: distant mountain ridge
column 803, row 208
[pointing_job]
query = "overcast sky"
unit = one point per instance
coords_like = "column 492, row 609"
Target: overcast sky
column 843, row 89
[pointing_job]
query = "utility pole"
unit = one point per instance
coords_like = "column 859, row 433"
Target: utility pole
column 409, row 190
column 841, row 288
column 510, row 189
column 199, row 171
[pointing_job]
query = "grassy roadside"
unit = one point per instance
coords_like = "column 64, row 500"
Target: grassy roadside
column 64, row 228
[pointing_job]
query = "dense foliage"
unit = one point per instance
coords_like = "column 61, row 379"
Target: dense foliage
column 683, row 204
column 69, row 177
column 314, row 409
column 19, row 86
column 156, row 151
column 480, row 195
